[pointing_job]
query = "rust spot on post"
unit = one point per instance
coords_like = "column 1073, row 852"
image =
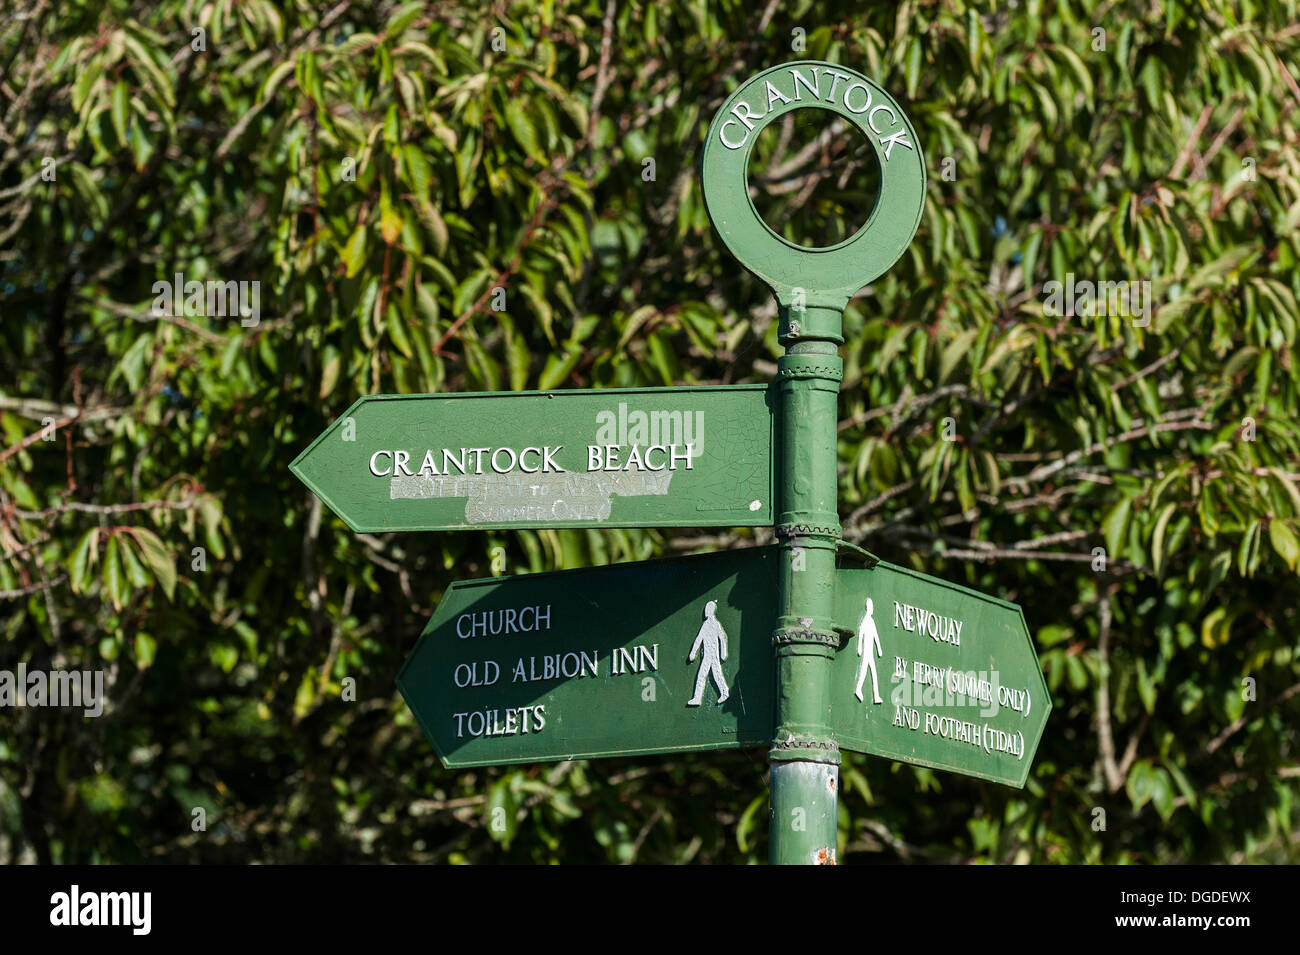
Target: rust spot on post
column 825, row 856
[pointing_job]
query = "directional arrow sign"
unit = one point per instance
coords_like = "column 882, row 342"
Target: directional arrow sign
column 653, row 657
column 650, row 457
column 935, row 674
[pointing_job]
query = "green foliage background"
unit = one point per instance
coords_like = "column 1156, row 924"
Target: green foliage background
column 381, row 167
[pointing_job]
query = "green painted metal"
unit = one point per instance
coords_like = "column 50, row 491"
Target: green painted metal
column 605, row 661
column 804, row 807
column 812, row 288
column 947, row 677
column 804, row 755
column 820, row 280
column 683, row 457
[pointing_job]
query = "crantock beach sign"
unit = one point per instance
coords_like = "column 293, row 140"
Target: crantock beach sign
column 649, row 457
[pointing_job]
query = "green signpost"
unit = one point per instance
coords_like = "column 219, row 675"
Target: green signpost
column 804, row 647
column 812, row 288
column 617, row 457
column 653, row 657
column 935, row 674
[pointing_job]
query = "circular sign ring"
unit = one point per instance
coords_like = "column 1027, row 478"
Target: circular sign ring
column 828, row 277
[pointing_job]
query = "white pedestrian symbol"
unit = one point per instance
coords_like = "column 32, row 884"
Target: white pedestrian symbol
column 712, row 639
column 867, row 639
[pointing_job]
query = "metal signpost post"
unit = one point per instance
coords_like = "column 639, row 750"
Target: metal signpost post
column 812, row 288
column 766, row 646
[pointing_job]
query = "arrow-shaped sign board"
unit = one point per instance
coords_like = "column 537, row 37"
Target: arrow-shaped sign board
column 935, row 674
column 629, row 659
column 650, row 457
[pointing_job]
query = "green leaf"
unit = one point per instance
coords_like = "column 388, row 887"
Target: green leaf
column 1162, row 793
column 1170, row 312
column 159, row 558
column 132, row 363
column 545, row 314
column 1287, row 486
column 403, row 17
column 23, row 495
column 1284, row 542
column 955, row 351
column 1115, row 527
column 974, row 35
column 432, row 220
column 1077, row 673
column 1146, row 686
column 135, row 572
column 121, row 110
column 397, row 331
column 1216, row 628
column 390, row 220
column 354, row 253
column 418, row 173
column 1053, row 633
column 331, row 365
column 1208, row 513
column 358, row 42
column 83, row 558
column 85, row 83
column 158, row 80
column 115, row 581
column 518, row 357
column 141, row 148
column 230, row 354
column 87, row 189
column 662, row 357
column 145, row 650
column 469, row 290
column 1248, row 551
column 1181, row 781
column 224, row 655
column 273, row 80
column 367, row 313
column 1158, row 539
column 426, row 304
column 308, row 75
column 1140, row 785
column 210, row 511
column 912, row 72
column 558, row 368
column 521, row 126
column 749, row 822
column 425, row 52
column 305, row 698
